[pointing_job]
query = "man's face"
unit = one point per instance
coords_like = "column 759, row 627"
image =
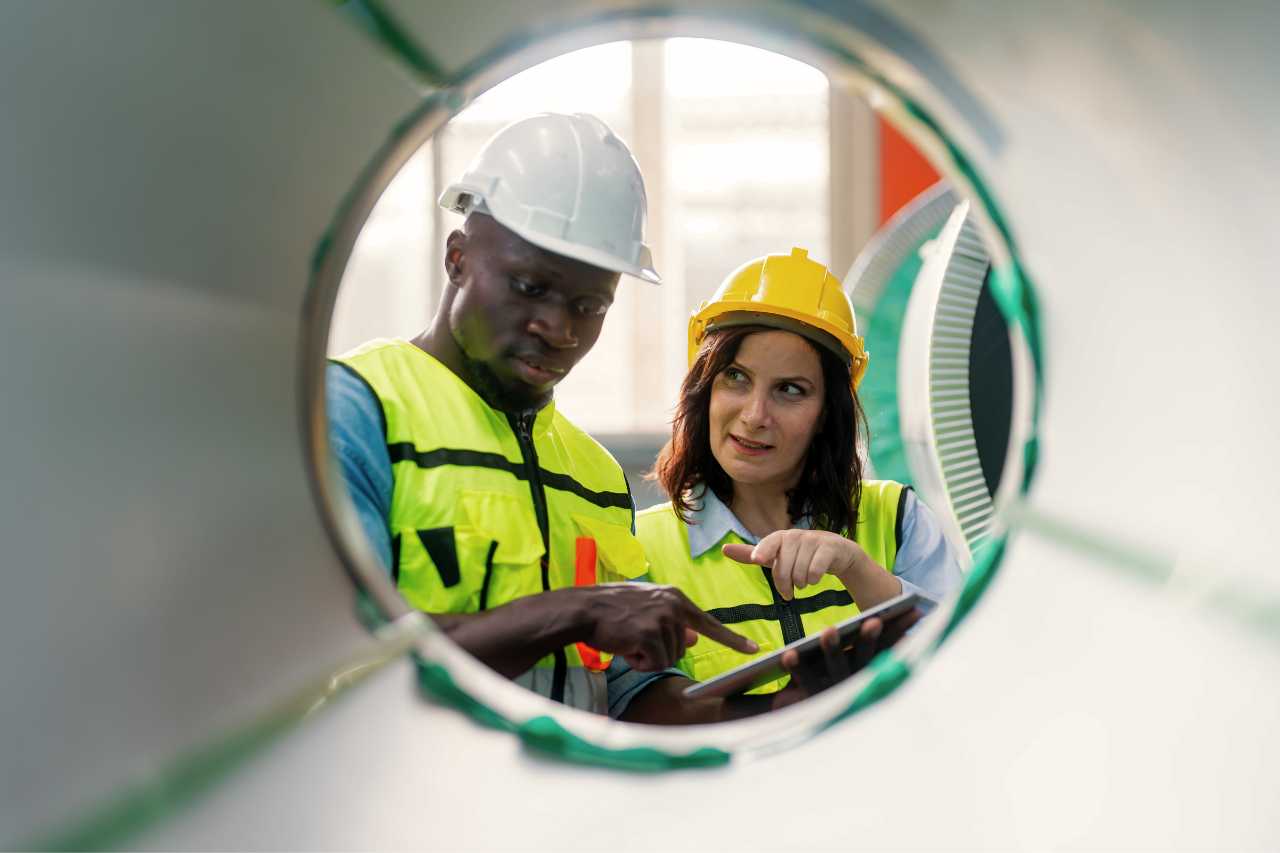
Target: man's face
column 522, row 316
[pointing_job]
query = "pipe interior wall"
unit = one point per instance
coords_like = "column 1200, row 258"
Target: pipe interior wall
column 168, row 172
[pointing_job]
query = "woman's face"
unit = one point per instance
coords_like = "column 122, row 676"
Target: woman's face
column 765, row 409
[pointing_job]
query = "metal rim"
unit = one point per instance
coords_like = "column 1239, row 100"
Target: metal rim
column 451, row 675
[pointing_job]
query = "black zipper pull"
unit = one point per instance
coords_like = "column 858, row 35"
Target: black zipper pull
column 524, row 423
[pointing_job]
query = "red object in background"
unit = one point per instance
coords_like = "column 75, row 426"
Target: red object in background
column 584, row 574
column 904, row 173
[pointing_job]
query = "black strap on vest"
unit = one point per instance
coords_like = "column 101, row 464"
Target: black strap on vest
column 786, row 615
column 488, row 573
column 800, row 606
column 902, row 511
column 406, row 452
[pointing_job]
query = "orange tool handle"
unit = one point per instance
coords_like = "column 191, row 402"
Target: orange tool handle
column 584, row 574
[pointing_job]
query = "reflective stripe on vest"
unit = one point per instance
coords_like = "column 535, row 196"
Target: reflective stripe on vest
column 743, row 596
column 474, row 505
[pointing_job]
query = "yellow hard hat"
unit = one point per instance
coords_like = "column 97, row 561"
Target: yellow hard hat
column 787, row 292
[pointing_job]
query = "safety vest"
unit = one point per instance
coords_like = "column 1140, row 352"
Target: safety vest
column 744, row 597
column 487, row 506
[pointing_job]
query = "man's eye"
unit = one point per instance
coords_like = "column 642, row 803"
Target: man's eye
column 592, row 308
column 527, row 288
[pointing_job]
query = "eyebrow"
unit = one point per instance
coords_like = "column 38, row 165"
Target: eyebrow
column 531, row 269
column 530, row 265
column 793, row 379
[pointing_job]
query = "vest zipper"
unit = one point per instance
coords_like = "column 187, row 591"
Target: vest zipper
column 522, row 425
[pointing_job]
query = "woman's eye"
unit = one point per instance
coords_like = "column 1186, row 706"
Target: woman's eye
column 733, row 374
column 790, row 389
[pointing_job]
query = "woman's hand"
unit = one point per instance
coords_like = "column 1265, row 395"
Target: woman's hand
column 799, row 558
column 839, row 661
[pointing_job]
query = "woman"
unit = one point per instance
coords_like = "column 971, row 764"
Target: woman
column 765, row 477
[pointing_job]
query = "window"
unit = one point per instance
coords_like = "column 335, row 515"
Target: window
column 734, row 143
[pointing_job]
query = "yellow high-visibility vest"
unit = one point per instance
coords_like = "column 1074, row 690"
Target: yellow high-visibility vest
column 486, row 506
column 743, row 596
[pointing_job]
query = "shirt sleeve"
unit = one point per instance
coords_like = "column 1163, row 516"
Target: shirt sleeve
column 925, row 562
column 625, row 684
column 358, row 444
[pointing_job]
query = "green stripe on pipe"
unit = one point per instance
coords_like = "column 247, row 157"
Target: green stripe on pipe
column 381, row 25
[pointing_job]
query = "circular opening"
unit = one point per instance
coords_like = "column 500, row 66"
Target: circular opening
column 1001, row 310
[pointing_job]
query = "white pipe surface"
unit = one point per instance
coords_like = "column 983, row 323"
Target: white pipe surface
column 168, row 173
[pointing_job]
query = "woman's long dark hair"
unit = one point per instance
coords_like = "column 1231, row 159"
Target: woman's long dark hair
column 830, row 486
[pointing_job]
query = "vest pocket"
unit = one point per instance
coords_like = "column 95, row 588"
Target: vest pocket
column 619, row 554
column 431, row 572
column 499, row 543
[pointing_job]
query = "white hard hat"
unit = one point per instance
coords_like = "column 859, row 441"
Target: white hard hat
column 565, row 183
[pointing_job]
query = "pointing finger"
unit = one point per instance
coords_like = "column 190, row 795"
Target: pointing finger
column 709, row 626
column 740, row 553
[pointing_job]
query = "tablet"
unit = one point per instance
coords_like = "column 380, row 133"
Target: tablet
column 766, row 668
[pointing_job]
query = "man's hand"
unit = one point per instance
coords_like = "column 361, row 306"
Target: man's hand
column 646, row 624
column 649, row 625
column 838, row 663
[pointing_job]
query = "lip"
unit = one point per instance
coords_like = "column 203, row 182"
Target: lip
column 535, row 372
column 746, row 449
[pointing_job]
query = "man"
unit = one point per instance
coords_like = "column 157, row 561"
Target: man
column 494, row 513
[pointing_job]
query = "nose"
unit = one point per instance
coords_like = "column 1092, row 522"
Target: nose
column 755, row 411
column 554, row 324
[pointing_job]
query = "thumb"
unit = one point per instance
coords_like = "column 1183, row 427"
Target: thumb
column 690, row 637
column 739, row 552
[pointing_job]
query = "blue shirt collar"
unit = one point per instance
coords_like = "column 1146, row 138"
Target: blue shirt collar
column 712, row 521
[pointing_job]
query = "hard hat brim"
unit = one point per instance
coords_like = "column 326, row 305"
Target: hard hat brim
column 722, row 315
column 603, row 260
column 821, row 337
column 465, row 200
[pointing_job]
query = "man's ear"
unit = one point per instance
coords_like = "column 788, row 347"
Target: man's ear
column 455, row 258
